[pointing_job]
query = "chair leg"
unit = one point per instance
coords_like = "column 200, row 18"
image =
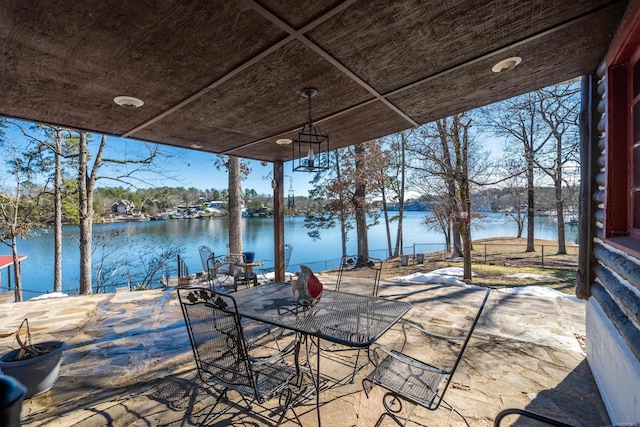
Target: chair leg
column 287, row 394
column 355, row 367
column 222, row 397
column 392, row 406
column 393, row 417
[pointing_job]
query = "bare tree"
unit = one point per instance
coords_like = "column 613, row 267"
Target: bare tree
column 441, row 157
column 331, row 188
column 51, row 138
column 394, row 184
column 20, row 203
column 87, row 176
column 433, row 167
column 516, row 119
column 558, row 107
column 542, row 126
column 516, row 191
column 350, row 188
column 126, row 169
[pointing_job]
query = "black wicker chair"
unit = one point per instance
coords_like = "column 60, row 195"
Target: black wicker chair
column 418, row 382
column 223, row 357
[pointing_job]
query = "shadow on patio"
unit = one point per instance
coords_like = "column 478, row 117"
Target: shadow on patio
column 128, row 362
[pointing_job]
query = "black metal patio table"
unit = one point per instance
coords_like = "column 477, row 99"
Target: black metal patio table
column 352, row 320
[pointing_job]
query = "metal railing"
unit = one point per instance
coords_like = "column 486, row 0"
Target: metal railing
column 543, row 255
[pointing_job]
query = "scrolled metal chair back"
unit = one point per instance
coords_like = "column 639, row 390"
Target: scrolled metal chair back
column 215, row 332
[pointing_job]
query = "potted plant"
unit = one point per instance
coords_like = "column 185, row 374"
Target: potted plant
column 36, row 366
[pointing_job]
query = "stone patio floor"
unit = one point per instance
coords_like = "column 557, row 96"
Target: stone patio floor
column 128, row 362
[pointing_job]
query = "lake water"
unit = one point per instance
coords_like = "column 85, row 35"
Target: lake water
column 131, row 239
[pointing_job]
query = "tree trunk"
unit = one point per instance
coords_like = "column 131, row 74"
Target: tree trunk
column 86, row 220
column 456, row 239
column 467, row 248
column 343, row 235
column 17, row 270
column 386, row 221
column 57, row 231
column 530, row 201
column 400, row 236
column 520, row 223
column 460, row 139
column 562, row 245
column 343, row 214
column 359, row 204
column 235, row 205
column 86, row 185
column 449, row 178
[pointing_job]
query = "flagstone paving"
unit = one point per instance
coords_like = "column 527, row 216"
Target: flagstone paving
column 128, row 361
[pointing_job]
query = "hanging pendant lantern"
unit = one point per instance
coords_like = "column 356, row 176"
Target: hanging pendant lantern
column 311, row 147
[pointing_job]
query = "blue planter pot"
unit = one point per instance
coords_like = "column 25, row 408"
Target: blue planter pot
column 249, row 256
column 11, row 395
column 37, row 374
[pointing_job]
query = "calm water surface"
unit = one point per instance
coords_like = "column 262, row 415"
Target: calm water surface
column 133, row 238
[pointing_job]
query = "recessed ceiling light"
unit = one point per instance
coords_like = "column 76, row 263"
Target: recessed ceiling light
column 195, row 146
column 283, row 141
column 128, row 101
column 506, row 64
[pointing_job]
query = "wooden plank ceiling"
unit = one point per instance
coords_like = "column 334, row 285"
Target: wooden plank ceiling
column 225, row 76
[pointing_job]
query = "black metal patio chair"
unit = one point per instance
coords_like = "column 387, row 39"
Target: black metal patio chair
column 231, row 266
column 351, row 273
column 223, row 357
column 415, row 380
column 242, row 275
column 356, row 271
column 205, row 253
column 288, row 249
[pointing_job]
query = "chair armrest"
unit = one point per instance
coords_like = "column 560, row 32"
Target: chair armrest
column 406, row 324
column 529, row 414
column 292, row 347
column 380, row 353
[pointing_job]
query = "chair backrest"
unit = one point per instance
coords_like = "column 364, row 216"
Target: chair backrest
column 287, row 255
column 414, row 379
column 205, row 254
column 356, row 271
column 217, row 340
column 466, row 342
column 452, row 370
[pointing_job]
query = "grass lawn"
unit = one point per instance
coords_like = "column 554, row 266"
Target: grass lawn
column 517, row 272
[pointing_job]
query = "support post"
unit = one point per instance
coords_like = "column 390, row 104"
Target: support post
column 589, row 153
column 278, row 220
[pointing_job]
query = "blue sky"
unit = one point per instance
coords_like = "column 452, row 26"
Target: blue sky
column 197, row 169
column 192, row 168
column 185, row 168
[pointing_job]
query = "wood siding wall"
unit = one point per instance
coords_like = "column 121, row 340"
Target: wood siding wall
column 607, row 274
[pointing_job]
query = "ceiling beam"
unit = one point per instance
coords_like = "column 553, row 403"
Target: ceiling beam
column 439, row 74
column 325, row 55
column 293, row 35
